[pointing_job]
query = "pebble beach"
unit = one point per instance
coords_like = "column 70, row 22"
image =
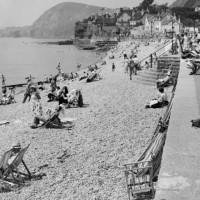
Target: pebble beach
column 86, row 162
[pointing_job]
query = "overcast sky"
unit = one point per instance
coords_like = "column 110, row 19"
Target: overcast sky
column 25, row 12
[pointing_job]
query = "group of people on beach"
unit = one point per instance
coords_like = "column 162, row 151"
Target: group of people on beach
column 62, row 95
column 191, row 51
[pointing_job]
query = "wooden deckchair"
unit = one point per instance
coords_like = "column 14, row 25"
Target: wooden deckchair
column 139, row 186
column 12, row 168
column 53, row 122
column 3, row 163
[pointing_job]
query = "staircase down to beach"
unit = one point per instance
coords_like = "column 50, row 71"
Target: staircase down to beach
column 165, row 62
column 148, row 76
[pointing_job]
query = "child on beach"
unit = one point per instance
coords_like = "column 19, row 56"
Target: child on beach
column 146, row 66
column 3, row 79
column 113, row 67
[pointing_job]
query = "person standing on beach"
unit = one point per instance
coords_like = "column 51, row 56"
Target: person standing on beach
column 126, row 63
column 125, row 54
column 131, row 68
column 136, row 63
column 113, row 67
column 50, row 78
column 3, row 80
column 186, row 42
column 58, row 68
column 78, row 66
column 27, row 91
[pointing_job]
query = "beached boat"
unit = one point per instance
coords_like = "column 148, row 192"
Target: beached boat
column 87, row 47
column 106, row 42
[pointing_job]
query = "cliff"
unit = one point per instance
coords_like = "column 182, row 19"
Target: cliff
column 59, row 21
column 186, row 3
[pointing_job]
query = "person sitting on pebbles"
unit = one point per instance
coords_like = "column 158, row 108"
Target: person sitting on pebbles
column 159, row 102
column 50, row 115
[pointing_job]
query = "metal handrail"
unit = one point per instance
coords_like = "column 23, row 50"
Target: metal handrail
column 155, row 52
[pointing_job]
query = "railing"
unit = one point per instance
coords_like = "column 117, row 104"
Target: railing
column 143, row 173
column 150, row 58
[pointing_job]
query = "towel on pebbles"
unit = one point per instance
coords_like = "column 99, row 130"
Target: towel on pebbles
column 4, row 122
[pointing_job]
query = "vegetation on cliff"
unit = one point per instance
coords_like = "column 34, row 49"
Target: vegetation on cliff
column 186, row 3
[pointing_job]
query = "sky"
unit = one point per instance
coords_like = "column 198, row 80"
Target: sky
column 25, row 12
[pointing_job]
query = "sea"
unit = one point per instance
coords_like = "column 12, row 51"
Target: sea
column 22, row 57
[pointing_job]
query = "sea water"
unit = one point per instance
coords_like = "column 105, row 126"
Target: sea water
column 21, row 57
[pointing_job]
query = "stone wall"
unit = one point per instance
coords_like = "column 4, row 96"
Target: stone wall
column 168, row 62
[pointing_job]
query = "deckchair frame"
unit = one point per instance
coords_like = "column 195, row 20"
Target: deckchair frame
column 13, row 166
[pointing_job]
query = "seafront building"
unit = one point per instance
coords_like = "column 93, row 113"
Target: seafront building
column 130, row 20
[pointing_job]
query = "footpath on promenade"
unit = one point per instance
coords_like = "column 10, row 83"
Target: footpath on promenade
column 179, row 177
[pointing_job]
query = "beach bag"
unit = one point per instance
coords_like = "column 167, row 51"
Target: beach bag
column 196, row 123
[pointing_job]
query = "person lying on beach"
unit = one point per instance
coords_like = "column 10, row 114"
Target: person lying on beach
column 73, row 98
column 165, row 80
column 159, row 102
column 84, row 76
column 94, row 76
column 51, row 116
column 103, row 62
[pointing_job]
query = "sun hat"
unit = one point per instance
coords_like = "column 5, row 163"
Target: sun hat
column 33, row 86
column 16, row 146
column 169, row 73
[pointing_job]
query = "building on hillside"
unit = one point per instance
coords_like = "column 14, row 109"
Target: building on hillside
column 161, row 22
column 197, row 9
column 128, row 18
column 171, row 23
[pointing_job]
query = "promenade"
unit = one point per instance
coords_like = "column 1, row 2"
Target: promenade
column 179, row 177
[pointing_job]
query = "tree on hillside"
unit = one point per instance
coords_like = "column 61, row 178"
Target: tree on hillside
column 145, row 4
column 186, row 14
column 194, row 16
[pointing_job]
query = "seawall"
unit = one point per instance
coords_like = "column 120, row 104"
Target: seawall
column 179, row 177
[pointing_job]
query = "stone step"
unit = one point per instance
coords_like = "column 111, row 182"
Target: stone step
column 140, row 78
column 170, row 57
column 150, row 72
column 168, row 63
column 144, row 82
column 148, row 77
